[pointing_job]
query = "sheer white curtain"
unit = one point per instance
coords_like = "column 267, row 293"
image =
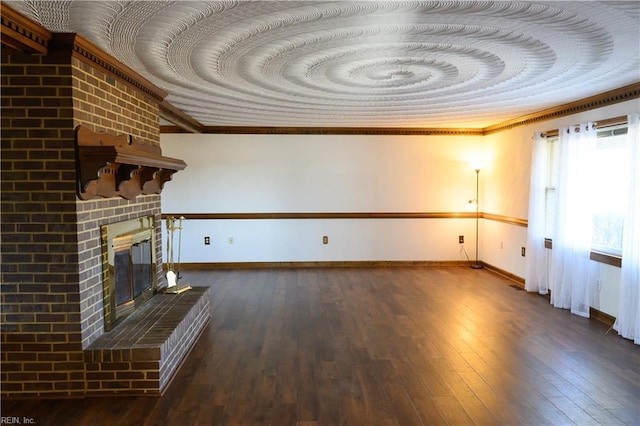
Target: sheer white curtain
column 569, row 281
column 536, row 273
column 628, row 321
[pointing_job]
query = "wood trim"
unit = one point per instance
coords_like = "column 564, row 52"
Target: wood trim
column 612, row 97
column 328, row 215
column 594, row 313
column 89, row 53
column 513, row 277
column 21, row 33
column 321, row 264
column 183, row 122
column 406, row 131
column 608, row 259
column 350, row 215
column 603, row 317
column 596, row 256
column 25, row 35
column 506, row 219
column 110, row 165
column 164, row 129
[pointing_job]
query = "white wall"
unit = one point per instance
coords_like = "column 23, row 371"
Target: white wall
column 333, row 173
column 606, row 290
column 502, row 245
column 322, row 173
column 284, row 240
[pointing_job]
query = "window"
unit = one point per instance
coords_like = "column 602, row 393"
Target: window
column 609, row 188
column 552, row 180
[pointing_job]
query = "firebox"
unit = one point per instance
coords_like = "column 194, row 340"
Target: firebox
column 129, row 277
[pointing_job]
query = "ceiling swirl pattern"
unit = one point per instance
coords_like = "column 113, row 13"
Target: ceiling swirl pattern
column 362, row 63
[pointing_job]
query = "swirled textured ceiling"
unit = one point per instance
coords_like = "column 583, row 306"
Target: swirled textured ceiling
column 362, row 63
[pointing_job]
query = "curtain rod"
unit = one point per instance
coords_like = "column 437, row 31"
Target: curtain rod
column 599, row 124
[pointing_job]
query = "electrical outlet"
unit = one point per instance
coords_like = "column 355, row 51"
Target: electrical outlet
column 207, row 241
column 501, row 245
column 325, row 240
column 461, row 239
column 522, row 251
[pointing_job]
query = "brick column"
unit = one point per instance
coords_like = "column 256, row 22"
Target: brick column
column 51, row 253
column 41, row 336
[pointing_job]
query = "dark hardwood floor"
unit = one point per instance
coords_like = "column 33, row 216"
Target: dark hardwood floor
column 379, row 346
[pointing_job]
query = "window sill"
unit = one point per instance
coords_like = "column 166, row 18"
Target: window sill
column 609, row 259
column 596, row 256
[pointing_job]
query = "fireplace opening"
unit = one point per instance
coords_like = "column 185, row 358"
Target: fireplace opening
column 130, row 278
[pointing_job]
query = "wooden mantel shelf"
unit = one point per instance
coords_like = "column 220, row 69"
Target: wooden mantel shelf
column 110, row 166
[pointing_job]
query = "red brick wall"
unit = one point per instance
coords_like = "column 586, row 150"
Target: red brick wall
column 51, row 295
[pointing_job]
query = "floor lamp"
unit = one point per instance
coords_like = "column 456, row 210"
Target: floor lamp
column 477, row 265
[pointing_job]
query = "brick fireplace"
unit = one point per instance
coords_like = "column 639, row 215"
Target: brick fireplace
column 54, row 339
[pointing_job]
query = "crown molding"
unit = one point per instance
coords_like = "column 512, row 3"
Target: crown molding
column 407, row 131
column 22, row 34
column 87, row 52
column 173, row 128
column 183, row 122
column 611, row 97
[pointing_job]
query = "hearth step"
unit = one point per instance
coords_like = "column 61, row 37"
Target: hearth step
column 141, row 355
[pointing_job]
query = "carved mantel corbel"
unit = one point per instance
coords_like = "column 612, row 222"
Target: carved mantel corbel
column 110, row 166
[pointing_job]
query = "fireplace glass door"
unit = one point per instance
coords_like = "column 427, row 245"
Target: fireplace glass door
column 141, row 262
column 122, row 272
column 133, row 272
column 130, row 269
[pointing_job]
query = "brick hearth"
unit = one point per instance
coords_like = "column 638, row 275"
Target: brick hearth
column 141, row 354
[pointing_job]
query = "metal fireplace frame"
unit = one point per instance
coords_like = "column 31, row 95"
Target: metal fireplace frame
column 119, row 238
